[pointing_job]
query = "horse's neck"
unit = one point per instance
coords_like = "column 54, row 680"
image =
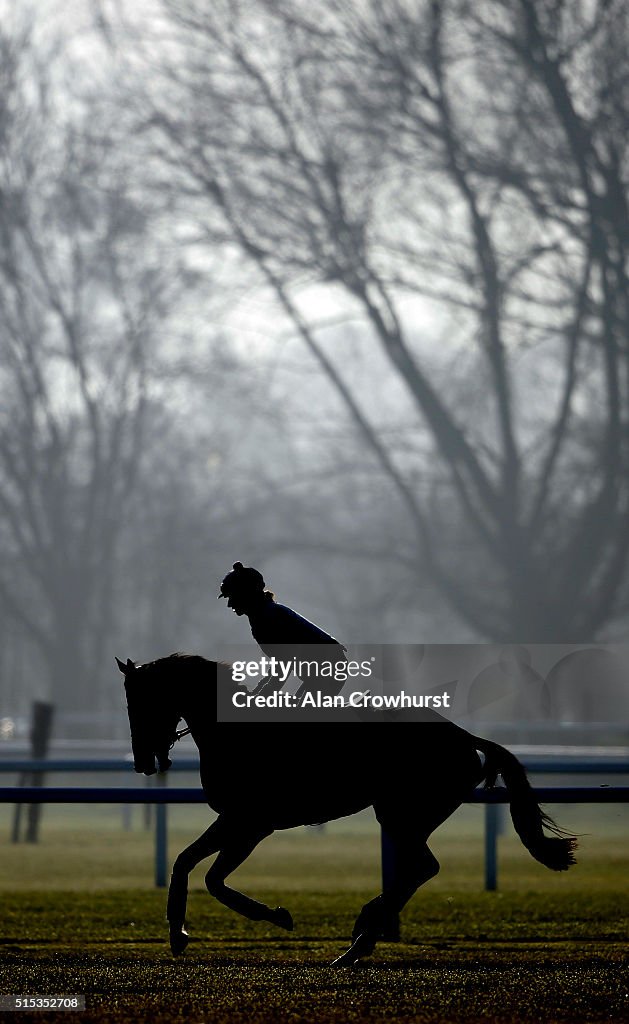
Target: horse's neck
column 198, row 706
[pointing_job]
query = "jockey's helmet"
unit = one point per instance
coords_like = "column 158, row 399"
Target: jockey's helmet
column 242, row 580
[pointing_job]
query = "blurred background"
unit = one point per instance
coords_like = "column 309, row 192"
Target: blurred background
column 340, row 291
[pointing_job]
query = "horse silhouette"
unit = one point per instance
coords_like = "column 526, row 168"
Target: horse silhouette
column 263, row 777
column 509, row 690
column 590, row 686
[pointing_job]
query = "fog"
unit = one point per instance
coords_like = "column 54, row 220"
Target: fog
column 336, row 291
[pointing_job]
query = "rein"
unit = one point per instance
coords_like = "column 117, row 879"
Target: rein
column 179, row 734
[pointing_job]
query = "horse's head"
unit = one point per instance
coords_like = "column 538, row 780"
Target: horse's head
column 152, row 717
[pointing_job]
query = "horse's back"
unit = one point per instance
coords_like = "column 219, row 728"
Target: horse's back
column 310, row 772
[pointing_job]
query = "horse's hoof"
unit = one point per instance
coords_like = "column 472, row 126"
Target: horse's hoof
column 363, row 946
column 282, row 918
column 178, row 941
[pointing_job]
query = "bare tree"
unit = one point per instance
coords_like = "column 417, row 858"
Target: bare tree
column 469, row 155
column 80, row 301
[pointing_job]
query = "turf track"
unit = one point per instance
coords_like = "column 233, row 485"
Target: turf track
column 545, row 948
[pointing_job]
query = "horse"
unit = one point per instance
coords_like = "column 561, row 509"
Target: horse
column 260, row 778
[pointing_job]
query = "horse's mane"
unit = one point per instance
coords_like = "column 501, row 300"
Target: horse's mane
column 183, row 656
column 193, row 663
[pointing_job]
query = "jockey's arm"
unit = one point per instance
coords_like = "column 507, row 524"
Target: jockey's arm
column 327, row 684
column 267, row 685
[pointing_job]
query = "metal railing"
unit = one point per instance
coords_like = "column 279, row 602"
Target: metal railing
column 161, row 796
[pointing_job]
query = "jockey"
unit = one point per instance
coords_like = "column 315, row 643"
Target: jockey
column 279, row 631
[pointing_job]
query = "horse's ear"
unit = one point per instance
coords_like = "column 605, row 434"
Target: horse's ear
column 125, row 668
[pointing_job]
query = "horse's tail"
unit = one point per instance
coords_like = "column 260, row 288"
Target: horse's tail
column 528, row 819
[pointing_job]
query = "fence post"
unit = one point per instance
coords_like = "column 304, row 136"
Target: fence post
column 492, row 817
column 391, row 932
column 161, row 837
column 41, row 726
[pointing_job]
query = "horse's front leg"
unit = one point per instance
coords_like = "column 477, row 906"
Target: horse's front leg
column 238, row 844
column 188, row 859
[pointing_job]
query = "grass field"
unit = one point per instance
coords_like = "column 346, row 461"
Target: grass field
column 80, row 915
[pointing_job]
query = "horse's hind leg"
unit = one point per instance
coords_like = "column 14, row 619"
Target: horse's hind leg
column 408, row 827
column 233, row 852
column 188, row 859
column 414, row 865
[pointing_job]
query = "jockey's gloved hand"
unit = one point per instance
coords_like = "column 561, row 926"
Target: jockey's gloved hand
column 268, row 685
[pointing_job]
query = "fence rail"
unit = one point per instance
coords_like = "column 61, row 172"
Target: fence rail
column 561, row 765
column 162, row 795
column 194, row 795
